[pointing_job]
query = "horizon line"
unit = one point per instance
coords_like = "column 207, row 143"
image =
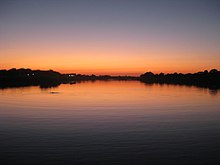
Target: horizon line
column 116, row 74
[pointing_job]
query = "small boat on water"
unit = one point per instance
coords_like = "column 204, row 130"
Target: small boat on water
column 72, row 82
column 54, row 92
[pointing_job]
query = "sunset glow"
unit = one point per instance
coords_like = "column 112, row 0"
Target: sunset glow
column 110, row 37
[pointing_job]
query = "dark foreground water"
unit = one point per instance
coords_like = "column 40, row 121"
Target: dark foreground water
column 110, row 122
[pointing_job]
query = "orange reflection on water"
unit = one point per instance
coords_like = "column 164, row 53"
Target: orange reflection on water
column 103, row 99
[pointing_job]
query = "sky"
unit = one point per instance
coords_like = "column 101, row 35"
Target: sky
column 117, row 37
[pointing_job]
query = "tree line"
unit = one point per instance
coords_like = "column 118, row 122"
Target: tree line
column 50, row 78
column 206, row 78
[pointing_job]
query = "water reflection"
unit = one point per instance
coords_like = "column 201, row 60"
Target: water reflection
column 111, row 122
column 48, row 86
column 213, row 92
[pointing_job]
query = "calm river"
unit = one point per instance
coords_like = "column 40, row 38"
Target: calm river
column 110, row 122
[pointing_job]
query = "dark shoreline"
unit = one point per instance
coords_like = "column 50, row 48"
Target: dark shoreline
column 47, row 79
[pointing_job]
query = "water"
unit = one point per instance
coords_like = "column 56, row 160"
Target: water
column 110, row 122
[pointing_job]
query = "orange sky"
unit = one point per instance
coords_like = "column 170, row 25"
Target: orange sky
column 106, row 60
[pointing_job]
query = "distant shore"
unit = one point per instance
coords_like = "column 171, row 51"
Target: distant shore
column 46, row 79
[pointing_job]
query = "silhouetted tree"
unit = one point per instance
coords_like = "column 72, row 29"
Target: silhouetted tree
column 209, row 79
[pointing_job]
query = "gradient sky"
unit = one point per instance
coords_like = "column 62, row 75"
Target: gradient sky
column 110, row 36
